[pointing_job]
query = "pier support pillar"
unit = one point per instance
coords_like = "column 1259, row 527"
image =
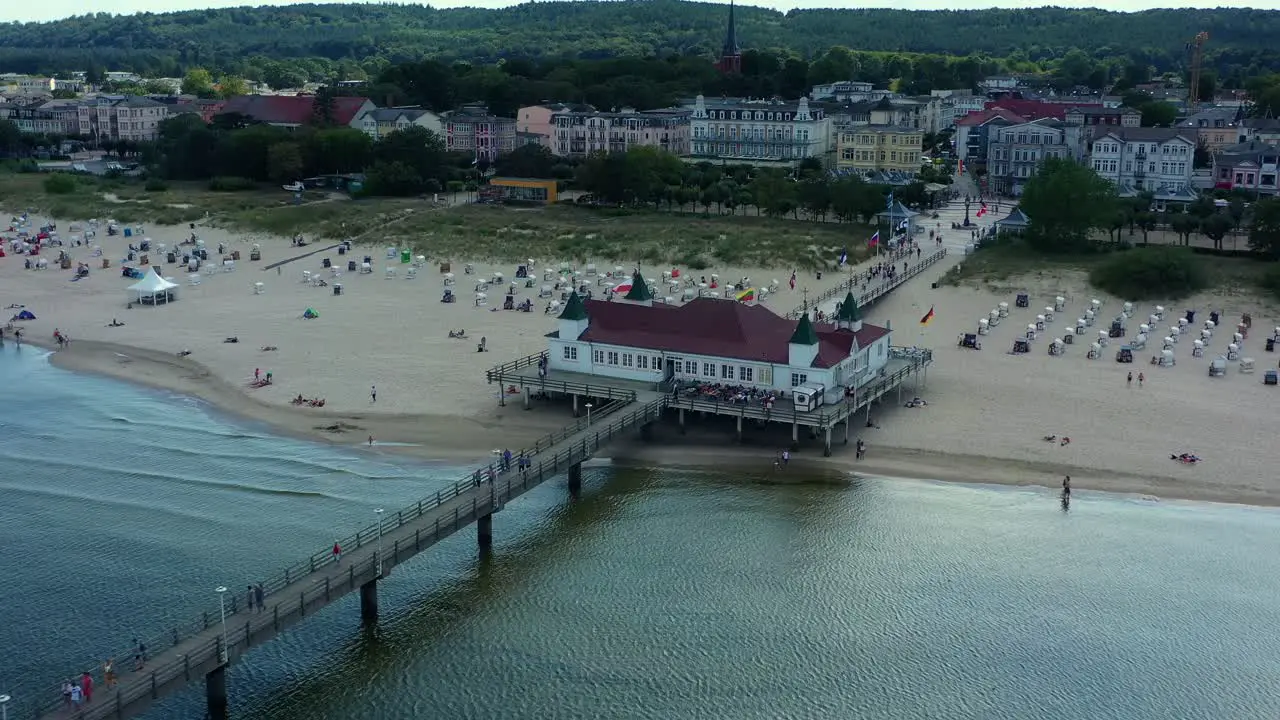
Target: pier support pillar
column 739, row 428
column 369, row 601
column 575, row 479
column 528, row 398
column 575, row 405
column 846, row 429
column 795, row 432
column 646, row 432
column 681, row 414
column 215, row 691
column 484, row 532
column 826, row 445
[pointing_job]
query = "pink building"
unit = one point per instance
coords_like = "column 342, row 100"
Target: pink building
column 536, row 120
column 473, row 130
column 578, row 134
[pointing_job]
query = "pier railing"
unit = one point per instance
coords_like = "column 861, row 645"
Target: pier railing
column 593, row 436
column 511, row 368
column 877, row 289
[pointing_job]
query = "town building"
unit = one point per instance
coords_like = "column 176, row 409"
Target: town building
column 759, row 131
column 716, row 342
column 973, row 133
column 1264, row 129
column 879, row 148
column 900, row 112
column 1136, row 159
column 32, row 84
column 730, row 61
column 1016, row 151
column 52, row 117
column 295, row 111
column 536, row 119
column 380, row 122
column 1217, row 128
column 121, row 117
column 1097, row 120
column 1251, row 166
column 475, row 131
column 849, row 91
column 578, row 133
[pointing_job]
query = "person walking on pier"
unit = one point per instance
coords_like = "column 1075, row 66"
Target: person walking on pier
column 86, row 686
column 249, row 596
column 109, row 673
column 259, row 595
column 66, row 693
column 337, row 553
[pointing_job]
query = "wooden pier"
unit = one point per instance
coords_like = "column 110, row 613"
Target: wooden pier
column 876, row 289
column 203, row 648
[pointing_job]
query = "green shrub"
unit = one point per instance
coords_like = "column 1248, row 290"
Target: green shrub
column 1150, row 273
column 155, row 185
column 229, row 183
column 60, row 184
column 1270, row 280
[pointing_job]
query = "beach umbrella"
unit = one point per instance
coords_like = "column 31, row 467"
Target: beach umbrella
column 622, row 288
column 746, row 296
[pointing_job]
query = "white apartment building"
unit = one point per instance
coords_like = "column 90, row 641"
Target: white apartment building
column 580, row 133
column 1158, row 160
column 1015, row 152
column 759, row 131
column 121, row 117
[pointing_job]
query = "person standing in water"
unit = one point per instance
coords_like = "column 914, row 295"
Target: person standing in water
column 1066, row 485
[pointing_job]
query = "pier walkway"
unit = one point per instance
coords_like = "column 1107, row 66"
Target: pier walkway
column 203, row 648
column 874, row 290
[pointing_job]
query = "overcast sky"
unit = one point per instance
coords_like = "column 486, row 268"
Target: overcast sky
column 54, row 9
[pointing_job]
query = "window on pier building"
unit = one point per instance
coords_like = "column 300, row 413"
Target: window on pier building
column 628, row 360
column 726, row 372
column 570, row 353
column 690, row 367
column 709, row 369
column 745, row 374
column 597, row 357
column 657, row 363
column 613, row 357
column 798, row 379
column 642, row 362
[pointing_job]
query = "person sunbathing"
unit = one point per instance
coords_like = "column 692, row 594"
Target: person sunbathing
column 231, row 340
column 1050, row 438
column 269, row 348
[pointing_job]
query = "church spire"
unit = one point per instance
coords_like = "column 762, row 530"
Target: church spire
column 731, row 37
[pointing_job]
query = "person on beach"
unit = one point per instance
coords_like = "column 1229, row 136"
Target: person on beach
column 370, row 441
column 1141, row 379
column 373, row 393
column 786, row 457
column 1129, row 380
column 337, row 553
column 1066, row 485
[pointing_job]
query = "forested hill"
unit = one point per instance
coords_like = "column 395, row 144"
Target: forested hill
column 1242, row 41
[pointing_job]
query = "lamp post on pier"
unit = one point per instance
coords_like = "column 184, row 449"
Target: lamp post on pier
column 4, row 707
column 222, row 608
column 379, row 512
column 589, row 406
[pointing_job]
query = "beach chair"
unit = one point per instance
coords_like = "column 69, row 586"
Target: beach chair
column 193, row 279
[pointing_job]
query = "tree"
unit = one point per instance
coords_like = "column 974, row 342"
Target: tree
column 1146, row 221
column 1065, row 202
column 198, row 82
column 1215, row 227
column 230, row 86
column 1264, row 233
column 284, row 162
column 1183, row 224
column 416, row 147
column 1158, row 114
column 530, row 161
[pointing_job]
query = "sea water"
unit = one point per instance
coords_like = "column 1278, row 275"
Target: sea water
column 660, row 593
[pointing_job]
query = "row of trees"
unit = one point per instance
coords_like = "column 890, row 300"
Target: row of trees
column 1069, row 205
column 408, row 162
column 317, row 38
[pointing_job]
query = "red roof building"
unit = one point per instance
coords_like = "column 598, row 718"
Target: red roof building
column 293, row 111
column 712, row 340
column 1034, row 109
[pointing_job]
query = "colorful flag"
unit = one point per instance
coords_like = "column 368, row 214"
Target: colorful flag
column 748, row 295
column 844, row 257
column 793, row 280
column 928, row 317
column 982, row 210
column 875, row 239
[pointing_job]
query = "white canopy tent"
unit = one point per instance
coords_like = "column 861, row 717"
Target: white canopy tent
column 153, row 289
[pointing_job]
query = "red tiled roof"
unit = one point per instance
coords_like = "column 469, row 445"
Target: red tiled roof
column 1032, row 109
column 291, row 109
column 981, row 117
column 714, row 327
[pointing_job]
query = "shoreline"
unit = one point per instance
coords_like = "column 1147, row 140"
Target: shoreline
column 464, row 439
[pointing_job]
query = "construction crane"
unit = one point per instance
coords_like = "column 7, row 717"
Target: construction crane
column 1196, row 47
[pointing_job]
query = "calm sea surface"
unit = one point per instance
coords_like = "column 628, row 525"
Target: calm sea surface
column 660, row 594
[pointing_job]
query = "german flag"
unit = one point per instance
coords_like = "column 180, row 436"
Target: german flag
column 928, row 317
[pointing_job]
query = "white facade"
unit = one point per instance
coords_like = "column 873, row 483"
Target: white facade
column 121, row 118
column 1151, row 159
column 567, row 352
column 759, row 131
column 379, row 122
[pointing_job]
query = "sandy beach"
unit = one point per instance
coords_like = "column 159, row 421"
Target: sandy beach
column 987, row 411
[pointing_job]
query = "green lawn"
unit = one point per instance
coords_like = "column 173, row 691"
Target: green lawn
column 468, row 231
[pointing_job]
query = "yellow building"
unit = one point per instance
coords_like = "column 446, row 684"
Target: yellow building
column 879, row 147
column 523, row 190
